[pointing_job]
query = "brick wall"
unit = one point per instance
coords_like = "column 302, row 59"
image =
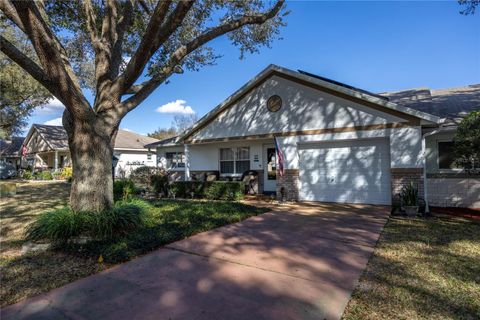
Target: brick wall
column 403, row 176
column 290, row 184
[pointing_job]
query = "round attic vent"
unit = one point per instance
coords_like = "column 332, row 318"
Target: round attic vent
column 274, row 103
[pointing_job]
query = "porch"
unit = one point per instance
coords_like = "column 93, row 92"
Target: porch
column 49, row 160
column 244, row 160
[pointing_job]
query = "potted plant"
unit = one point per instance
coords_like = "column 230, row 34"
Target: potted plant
column 409, row 198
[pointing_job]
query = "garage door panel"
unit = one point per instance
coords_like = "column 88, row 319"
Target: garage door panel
column 353, row 171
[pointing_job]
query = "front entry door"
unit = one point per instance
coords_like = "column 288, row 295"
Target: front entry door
column 270, row 168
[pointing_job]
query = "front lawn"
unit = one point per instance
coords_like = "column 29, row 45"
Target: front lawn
column 25, row 275
column 421, row 269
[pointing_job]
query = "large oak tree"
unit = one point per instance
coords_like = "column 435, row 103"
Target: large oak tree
column 126, row 41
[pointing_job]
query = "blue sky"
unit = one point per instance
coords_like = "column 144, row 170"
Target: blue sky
column 377, row 46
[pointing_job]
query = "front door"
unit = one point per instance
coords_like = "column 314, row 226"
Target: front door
column 270, row 168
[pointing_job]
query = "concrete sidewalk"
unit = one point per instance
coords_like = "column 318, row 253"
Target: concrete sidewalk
column 301, row 261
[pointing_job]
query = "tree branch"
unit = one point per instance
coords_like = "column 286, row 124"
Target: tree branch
column 8, row 9
column 157, row 33
column 28, row 65
column 124, row 22
column 53, row 58
column 142, row 91
column 90, row 19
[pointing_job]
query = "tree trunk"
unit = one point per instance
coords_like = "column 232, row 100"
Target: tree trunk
column 91, row 149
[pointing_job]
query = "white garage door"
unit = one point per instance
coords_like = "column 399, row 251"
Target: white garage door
column 355, row 171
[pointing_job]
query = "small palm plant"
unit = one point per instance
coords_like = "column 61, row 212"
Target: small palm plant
column 409, row 197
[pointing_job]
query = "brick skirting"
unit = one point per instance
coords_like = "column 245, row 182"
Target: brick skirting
column 287, row 186
column 401, row 177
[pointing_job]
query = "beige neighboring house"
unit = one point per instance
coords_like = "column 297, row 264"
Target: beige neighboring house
column 47, row 149
column 340, row 143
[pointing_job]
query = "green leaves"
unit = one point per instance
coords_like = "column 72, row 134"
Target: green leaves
column 467, row 142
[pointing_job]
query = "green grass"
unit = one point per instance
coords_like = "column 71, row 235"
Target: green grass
column 25, row 275
column 167, row 221
column 421, row 269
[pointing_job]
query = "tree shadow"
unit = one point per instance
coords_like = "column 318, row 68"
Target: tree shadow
column 423, row 267
column 277, row 265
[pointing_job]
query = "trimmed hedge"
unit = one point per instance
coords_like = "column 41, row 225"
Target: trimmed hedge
column 212, row 190
column 159, row 183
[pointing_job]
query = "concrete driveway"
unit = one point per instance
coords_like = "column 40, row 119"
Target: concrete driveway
column 300, row 261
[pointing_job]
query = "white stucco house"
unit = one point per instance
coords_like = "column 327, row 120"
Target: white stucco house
column 340, row 143
column 47, row 149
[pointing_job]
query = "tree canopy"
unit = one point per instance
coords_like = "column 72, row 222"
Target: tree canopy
column 467, row 142
column 20, row 93
column 123, row 51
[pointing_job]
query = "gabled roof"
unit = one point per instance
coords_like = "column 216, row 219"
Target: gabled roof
column 451, row 104
column 11, row 147
column 57, row 139
column 173, row 141
column 131, row 140
column 303, row 76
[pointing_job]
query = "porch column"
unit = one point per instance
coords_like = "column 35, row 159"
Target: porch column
column 187, row 161
column 55, row 166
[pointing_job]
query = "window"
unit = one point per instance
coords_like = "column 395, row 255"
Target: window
column 445, row 155
column 149, row 154
column 227, row 160
column 234, row 160
column 175, row 160
column 243, row 160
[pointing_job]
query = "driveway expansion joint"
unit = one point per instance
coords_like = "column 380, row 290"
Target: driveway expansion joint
column 241, row 264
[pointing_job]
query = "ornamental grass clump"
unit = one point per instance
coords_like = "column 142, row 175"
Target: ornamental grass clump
column 64, row 225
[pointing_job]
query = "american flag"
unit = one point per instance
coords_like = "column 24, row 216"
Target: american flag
column 24, row 151
column 281, row 159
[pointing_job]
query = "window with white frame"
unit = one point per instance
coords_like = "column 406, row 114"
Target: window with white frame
column 234, row 161
column 175, row 160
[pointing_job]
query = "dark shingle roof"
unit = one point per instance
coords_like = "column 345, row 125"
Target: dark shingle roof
column 11, row 147
column 451, row 104
column 56, row 137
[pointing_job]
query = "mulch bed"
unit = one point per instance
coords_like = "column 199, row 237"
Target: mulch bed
column 459, row 212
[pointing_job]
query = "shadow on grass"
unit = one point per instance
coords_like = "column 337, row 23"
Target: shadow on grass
column 422, row 268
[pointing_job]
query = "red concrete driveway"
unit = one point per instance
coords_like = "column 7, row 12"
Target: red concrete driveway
column 298, row 262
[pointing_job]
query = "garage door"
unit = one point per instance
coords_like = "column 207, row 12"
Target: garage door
column 354, row 171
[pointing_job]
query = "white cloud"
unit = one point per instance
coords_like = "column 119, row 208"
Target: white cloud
column 177, row 106
column 54, row 122
column 53, row 106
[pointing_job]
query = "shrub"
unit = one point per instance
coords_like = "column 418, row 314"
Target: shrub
column 159, row 183
column 67, row 173
column 57, row 175
column 44, row 175
column 57, row 225
column 225, row 190
column 62, row 225
column 142, row 175
column 27, row 175
column 123, row 189
column 213, row 190
column 409, row 195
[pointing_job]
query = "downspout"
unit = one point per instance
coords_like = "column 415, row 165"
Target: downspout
column 424, row 156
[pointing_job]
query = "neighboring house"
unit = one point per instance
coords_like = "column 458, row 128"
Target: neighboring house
column 340, row 143
column 47, row 148
column 10, row 150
